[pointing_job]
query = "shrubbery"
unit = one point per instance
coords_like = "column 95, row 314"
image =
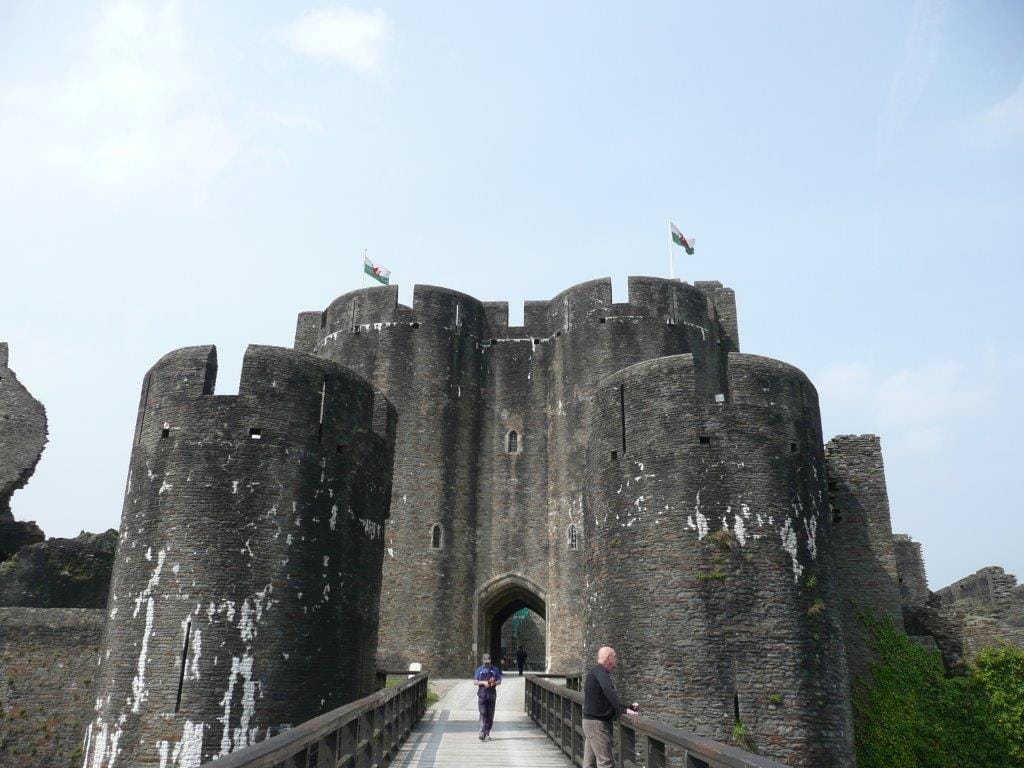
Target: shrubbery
column 914, row 716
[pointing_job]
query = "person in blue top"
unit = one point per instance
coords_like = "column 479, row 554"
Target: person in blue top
column 487, row 678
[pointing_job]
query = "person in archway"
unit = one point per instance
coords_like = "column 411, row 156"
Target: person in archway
column 601, row 705
column 521, row 656
column 487, row 678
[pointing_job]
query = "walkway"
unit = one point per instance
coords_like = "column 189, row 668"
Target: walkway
column 447, row 735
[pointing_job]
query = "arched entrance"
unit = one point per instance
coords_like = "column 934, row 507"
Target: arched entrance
column 496, row 602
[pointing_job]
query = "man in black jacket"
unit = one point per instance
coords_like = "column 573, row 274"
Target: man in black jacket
column 601, row 704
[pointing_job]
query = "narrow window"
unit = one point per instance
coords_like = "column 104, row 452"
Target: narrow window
column 704, row 439
column 513, row 442
column 435, row 537
column 602, row 319
column 615, row 455
column 165, row 432
column 536, row 341
column 414, row 325
column 622, row 415
column 339, row 449
column 670, row 321
column 837, row 515
column 572, row 537
column 323, row 397
column 736, row 706
column 184, row 661
column 792, row 448
column 255, row 434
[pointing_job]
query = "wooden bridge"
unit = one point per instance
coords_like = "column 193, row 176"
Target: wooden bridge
column 537, row 724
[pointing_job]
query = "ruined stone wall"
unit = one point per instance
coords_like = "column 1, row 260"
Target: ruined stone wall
column 47, row 676
column 987, row 607
column 60, row 573
column 22, row 439
column 463, row 381
column 910, row 566
column 708, row 554
column 863, row 547
column 246, row 583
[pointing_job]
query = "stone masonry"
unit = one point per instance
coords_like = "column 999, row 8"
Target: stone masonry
column 709, row 554
column 22, row 439
column 47, row 680
column 862, row 542
column 246, row 585
column 494, row 424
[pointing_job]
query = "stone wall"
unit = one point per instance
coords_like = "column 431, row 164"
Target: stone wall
column 60, row 573
column 863, row 547
column 245, row 591
column 463, row 381
column 22, row 439
column 910, row 565
column 708, row 554
column 988, row 607
column 47, row 677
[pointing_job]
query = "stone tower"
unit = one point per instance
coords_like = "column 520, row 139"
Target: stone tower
column 489, row 460
column 245, row 590
column 708, row 554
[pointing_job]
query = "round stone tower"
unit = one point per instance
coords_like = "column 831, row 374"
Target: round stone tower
column 246, row 584
column 706, row 541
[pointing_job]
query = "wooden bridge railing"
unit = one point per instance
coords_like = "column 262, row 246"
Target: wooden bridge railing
column 558, row 710
column 363, row 734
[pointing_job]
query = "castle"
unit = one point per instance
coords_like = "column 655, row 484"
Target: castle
column 406, row 479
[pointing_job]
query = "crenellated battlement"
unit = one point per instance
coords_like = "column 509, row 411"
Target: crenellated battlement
column 284, row 397
column 708, row 306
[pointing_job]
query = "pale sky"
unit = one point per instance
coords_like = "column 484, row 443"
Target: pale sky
column 177, row 173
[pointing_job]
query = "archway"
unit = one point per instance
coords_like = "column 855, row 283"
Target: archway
column 497, row 601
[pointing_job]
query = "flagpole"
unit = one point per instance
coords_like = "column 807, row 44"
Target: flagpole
column 671, row 260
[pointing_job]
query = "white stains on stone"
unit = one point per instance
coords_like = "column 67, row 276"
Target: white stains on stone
column 372, row 529
column 197, row 650
column 139, row 692
column 739, row 528
column 149, row 556
column 702, row 521
column 327, row 591
column 101, row 744
column 165, row 486
column 811, row 524
column 789, row 544
column 334, row 516
column 186, row 753
column 234, row 486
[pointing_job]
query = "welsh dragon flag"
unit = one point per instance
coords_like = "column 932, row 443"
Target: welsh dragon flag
column 680, row 239
column 376, row 271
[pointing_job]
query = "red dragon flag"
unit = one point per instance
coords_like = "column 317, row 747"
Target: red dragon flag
column 376, row 271
column 680, row 239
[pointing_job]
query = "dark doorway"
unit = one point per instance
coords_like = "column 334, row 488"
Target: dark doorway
column 499, row 601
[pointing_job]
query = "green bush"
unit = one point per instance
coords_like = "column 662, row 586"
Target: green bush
column 914, row 716
column 1000, row 672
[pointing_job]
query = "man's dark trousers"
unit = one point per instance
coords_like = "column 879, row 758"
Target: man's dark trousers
column 485, row 704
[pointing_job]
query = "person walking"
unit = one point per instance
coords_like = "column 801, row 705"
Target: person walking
column 521, row 656
column 601, row 704
column 487, row 678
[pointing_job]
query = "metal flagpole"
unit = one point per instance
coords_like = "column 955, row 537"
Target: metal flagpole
column 671, row 254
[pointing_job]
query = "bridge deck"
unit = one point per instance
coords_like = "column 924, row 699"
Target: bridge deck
column 447, row 735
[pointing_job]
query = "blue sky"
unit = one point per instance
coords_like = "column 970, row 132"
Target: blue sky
column 178, row 173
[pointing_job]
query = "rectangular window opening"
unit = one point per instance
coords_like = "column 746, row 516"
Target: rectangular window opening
column 793, row 448
column 615, row 455
column 602, row 319
column 184, row 661
column 704, row 439
column 165, row 432
column 736, row 706
column 255, row 434
column 622, row 414
column 414, row 325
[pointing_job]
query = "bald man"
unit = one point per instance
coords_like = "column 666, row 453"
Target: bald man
column 601, row 705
